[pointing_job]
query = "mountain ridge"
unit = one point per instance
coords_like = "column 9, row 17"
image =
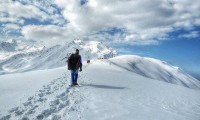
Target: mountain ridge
column 51, row 57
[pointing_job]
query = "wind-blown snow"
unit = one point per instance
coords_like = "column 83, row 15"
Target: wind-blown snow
column 109, row 90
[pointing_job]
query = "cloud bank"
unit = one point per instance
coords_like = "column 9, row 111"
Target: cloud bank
column 144, row 21
column 140, row 22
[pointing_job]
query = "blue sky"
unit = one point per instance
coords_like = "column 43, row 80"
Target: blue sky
column 167, row 30
column 177, row 51
column 182, row 53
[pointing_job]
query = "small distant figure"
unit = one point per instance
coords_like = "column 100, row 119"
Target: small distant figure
column 74, row 63
column 88, row 61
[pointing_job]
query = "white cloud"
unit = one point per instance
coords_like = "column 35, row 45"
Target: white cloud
column 15, row 11
column 12, row 26
column 18, row 10
column 145, row 21
column 48, row 34
column 14, row 14
column 192, row 34
column 11, row 20
column 8, row 29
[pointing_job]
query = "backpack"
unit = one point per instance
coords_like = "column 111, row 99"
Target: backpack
column 73, row 62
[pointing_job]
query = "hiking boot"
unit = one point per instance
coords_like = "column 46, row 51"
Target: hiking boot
column 76, row 84
column 72, row 84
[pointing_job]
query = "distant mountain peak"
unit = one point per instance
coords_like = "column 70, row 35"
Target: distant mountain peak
column 31, row 57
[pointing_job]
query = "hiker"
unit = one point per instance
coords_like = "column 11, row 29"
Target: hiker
column 74, row 63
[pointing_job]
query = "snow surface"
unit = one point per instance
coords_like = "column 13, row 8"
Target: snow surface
column 111, row 89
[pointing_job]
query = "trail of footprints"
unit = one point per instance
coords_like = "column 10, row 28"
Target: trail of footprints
column 64, row 100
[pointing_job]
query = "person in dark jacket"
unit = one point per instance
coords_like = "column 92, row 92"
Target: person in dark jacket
column 74, row 63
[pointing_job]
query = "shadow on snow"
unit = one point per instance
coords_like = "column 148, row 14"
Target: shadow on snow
column 104, row 86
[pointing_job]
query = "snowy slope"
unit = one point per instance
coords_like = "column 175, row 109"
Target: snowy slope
column 156, row 69
column 12, row 47
column 53, row 57
column 107, row 92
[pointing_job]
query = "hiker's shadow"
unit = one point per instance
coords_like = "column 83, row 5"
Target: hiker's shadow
column 103, row 86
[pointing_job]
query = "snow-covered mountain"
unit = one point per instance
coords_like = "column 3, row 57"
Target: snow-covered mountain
column 156, row 69
column 8, row 46
column 34, row 58
column 120, row 88
column 15, row 46
column 11, row 47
